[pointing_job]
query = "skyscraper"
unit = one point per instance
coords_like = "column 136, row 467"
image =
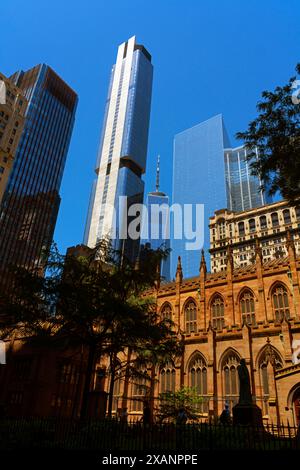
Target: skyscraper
column 30, row 204
column 157, row 204
column 242, row 188
column 198, row 178
column 123, row 147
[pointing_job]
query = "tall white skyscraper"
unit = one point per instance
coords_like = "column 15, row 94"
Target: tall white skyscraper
column 123, row 146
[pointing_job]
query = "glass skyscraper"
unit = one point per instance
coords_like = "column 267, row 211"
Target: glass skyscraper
column 123, row 147
column 198, row 178
column 31, row 201
column 157, row 223
column 207, row 170
column 242, row 188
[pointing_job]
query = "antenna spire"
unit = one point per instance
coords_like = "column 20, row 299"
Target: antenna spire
column 157, row 174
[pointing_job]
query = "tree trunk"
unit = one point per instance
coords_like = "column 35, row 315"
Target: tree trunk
column 88, row 380
column 112, row 383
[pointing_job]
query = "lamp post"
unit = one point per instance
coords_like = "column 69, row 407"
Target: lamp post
column 270, row 355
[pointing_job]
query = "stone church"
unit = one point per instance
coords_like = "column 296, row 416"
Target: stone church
column 249, row 312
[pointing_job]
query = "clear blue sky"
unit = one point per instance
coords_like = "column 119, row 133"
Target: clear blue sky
column 209, row 57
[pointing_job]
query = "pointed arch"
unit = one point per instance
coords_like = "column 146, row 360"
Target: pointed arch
column 228, row 365
column 194, row 356
column 263, row 352
column 166, row 311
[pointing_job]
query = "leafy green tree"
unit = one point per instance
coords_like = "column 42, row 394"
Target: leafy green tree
column 276, row 135
column 186, row 398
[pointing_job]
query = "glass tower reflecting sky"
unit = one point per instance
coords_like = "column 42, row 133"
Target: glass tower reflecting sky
column 30, row 204
column 158, row 236
column 123, row 145
column 198, row 178
column 242, row 188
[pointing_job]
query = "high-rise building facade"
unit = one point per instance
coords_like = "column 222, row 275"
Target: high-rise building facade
column 157, row 223
column 123, row 147
column 12, row 110
column 30, row 204
column 243, row 189
column 198, row 178
column 268, row 225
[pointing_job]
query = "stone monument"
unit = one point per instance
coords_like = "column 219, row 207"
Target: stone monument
column 246, row 412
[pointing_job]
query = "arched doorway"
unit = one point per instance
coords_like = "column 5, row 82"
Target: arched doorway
column 296, row 405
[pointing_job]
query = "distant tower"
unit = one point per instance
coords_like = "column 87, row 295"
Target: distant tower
column 157, row 204
column 123, row 147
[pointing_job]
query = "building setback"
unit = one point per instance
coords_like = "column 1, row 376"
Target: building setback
column 123, row 148
column 31, row 200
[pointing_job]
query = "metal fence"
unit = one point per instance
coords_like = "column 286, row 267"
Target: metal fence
column 47, row 433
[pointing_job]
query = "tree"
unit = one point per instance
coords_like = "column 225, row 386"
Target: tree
column 186, row 398
column 276, row 135
column 92, row 301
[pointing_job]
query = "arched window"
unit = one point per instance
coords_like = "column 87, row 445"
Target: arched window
column 166, row 312
column 263, row 222
column 138, row 391
column 117, row 388
column 247, row 307
column 167, row 378
column 190, row 312
column 274, row 217
column 217, row 313
column 252, row 225
column 286, row 216
column 241, row 227
column 197, row 374
column 280, row 302
column 264, row 373
column 230, row 378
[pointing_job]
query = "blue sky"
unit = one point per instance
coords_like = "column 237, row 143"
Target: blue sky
column 209, row 57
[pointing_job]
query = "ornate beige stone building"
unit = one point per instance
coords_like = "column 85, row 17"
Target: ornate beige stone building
column 269, row 223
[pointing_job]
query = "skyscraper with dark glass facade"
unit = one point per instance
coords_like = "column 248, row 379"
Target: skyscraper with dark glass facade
column 123, row 148
column 31, row 200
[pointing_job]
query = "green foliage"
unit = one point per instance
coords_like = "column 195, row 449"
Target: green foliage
column 276, row 134
column 186, row 398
